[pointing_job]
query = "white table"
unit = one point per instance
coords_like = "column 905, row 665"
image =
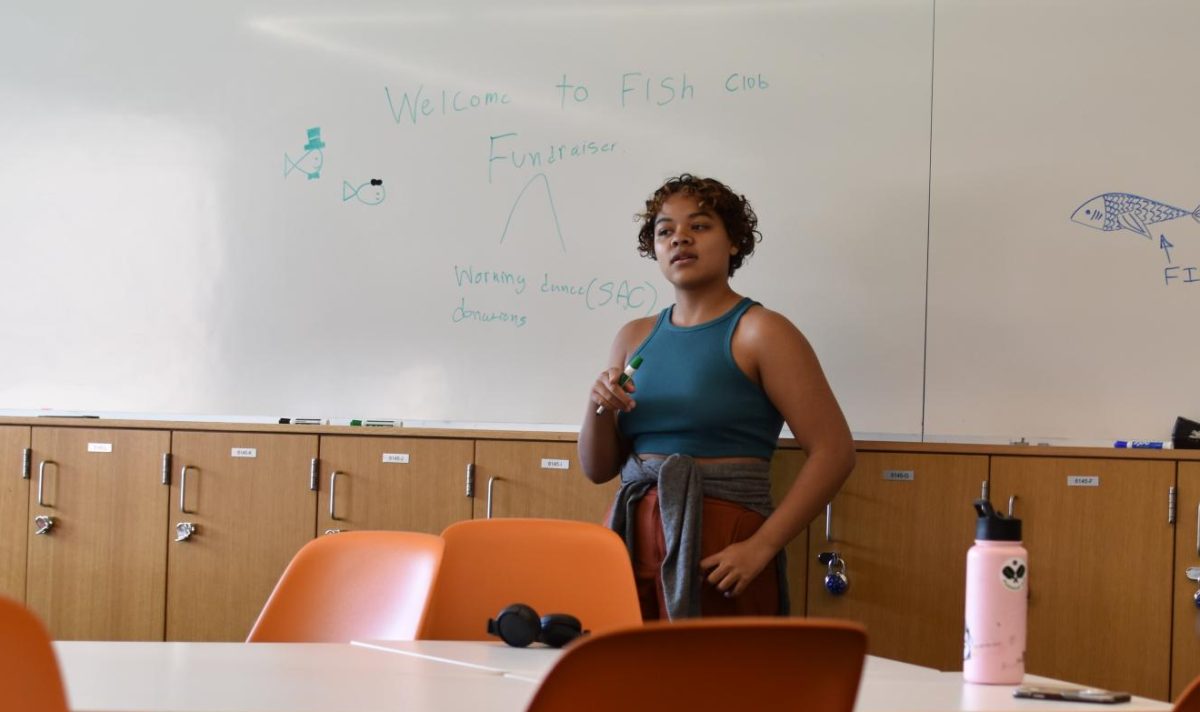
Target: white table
column 424, row 675
column 534, row 662
column 530, row 664
column 273, row 677
column 887, row 685
column 947, row 692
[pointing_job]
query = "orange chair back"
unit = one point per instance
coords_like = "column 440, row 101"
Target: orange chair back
column 1189, row 699
column 371, row 585
column 711, row 664
column 29, row 676
column 553, row 565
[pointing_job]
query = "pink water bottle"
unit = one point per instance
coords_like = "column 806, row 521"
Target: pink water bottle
column 997, row 600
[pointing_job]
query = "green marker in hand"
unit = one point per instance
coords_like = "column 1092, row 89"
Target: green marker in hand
column 633, row 366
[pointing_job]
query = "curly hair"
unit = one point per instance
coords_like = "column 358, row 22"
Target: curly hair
column 741, row 224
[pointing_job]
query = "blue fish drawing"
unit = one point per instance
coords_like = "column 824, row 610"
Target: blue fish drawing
column 309, row 164
column 1116, row 211
column 369, row 193
column 313, row 159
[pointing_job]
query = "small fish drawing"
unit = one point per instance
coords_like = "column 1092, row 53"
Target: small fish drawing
column 309, row 164
column 1116, row 211
column 369, row 193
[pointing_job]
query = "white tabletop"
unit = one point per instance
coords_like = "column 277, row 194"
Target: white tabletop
column 949, row 693
column 887, row 685
column 272, row 677
column 424, row 675
column 529, row 664
column 534, row 662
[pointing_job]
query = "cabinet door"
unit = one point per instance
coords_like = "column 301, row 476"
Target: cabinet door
column 410, row 484
column 1185, row 641
column 537, row 479
column 784, row 467
column 249, row 497
column 14, row 510
column 902, row 523
column 1100, row 550
column 100, row 572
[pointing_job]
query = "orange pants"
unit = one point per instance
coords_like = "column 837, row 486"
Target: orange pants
column 723, row 524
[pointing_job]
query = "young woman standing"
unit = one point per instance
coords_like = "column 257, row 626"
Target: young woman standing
column 693, row 432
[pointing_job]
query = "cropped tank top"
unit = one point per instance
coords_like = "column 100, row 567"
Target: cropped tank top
column 692, row 398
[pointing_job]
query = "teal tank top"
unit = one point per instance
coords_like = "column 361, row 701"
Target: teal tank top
column 692, row 399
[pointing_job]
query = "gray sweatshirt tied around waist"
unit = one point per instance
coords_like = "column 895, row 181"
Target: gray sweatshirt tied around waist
column 682, row 486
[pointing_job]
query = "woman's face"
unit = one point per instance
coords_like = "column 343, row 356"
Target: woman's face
column 690, row 243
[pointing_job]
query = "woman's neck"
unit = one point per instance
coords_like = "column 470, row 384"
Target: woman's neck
column 697, row 307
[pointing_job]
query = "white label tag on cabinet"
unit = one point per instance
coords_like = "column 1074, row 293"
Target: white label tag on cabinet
column 1083, row 480
column 898, row 475
column 99, row 447
column 244, row 452
column 397, row 457
column 550, row 464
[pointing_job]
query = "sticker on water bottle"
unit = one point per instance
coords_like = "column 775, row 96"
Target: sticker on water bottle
column 1012, row 574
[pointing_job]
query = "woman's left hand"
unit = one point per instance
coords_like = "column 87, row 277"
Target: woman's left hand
column 736, row 566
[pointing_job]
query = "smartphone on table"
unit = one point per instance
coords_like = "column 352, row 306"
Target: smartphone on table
column 1073, row 694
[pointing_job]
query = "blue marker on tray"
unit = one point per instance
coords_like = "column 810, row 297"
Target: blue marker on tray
column 1144, row 444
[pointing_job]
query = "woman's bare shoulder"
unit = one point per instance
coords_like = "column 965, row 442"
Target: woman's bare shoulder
column 634, row 333
column 762, row 324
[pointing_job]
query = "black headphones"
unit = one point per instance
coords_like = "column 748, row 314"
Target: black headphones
column 519, row 625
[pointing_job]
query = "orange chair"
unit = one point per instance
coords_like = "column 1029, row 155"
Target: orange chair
column 553, row 565
column 29, row 676
column 711, row 664
column 352, row 586
column 1189, row 699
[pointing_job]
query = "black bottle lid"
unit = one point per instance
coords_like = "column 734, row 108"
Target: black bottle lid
column 993, row 526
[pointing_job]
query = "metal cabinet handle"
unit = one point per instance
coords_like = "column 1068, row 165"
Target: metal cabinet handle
column 491, row 482
column 43, row 523
column 1011, row 501
column 184, row 531
column 183, row 488
column 829, row 521
column 41, row 480
column 333, row 494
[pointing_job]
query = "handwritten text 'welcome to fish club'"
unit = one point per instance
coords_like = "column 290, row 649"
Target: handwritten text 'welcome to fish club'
column 634, row 88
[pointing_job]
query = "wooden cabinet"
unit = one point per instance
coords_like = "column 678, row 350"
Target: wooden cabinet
column 784, row 467
column 1185, row 638
column 1110, row 604
column 14, row 510
column 410, row 484
column 903, row 523
column 252, row 501
column 100, row 572
column 1100, row 563
column 537, row 479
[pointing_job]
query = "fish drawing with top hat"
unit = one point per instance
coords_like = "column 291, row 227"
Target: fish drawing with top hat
column 311, row 161
column 1117, row 211
column 369, row 193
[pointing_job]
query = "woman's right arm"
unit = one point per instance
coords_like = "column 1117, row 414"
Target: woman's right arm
column 602, row 448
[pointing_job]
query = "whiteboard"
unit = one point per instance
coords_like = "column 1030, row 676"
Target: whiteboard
column 190, row 225
column 1040, row 326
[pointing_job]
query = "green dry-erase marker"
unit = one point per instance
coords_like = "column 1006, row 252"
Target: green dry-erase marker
column 633, row 366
